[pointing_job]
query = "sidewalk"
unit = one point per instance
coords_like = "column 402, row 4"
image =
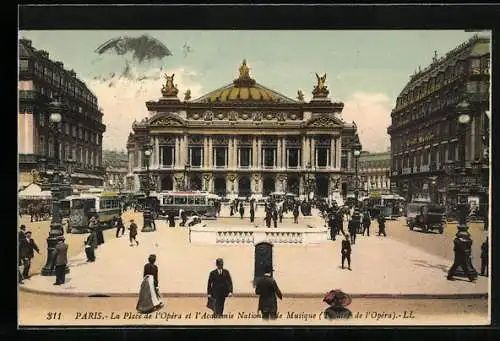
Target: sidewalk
column 381, row 267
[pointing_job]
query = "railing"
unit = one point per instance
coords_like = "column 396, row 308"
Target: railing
column 235, row 237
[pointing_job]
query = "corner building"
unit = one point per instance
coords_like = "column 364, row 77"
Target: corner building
column 425, row 133
column 41, row 81
column 245, row 139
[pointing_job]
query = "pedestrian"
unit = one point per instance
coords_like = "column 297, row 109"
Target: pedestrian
column 346, row 252
column 352, row 228
column 242, row 210
column 267, row 289
column 461, row 247
column 133, row 233
column 296, row 214
column 280, row 213
column 484, row 258
column 120, row 227
column 268, row 218
column 22, row 231
column 61, row 260
column 183, row 217
column 252, row 213
column 149, row 295
column 337, row 301
column 27, row 248
column 331, row 225
column 90, row 246
column 171, row 220
column 231, row 209
column 381, row 224
column 275, row 217
column 366, row 223
column 219, row 286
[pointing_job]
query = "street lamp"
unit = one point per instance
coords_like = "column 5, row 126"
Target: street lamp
column 187, row 167
column 146, row 187
column 356, row 153
column 308, row 181
column 463, row 236
column 58, row 192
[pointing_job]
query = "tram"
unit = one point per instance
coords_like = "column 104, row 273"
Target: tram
column 106, row 206
column 390, row 205
column 193, row 203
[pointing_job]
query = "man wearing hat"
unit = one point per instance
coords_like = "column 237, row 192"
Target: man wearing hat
column 346, row 251
column 27, row 246
column 462, row 248
column 219, row 286
column 267, row 289
column 337, row 301
column 61, row 260
column 133, row 233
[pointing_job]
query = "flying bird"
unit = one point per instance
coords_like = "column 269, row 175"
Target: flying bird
column 143, row 48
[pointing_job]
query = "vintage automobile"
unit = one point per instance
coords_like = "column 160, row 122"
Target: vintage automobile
column 425, row 216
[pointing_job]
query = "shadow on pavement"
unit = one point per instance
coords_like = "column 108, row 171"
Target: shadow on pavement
column 425, row 264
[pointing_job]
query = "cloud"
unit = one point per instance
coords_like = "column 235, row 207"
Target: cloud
column 123, row 99
column 372, row 114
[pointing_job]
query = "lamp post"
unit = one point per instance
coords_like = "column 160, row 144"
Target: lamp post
column 56, row 232
column 146, row 187
column 463, row 236
column 356, row 153
column 307, row 185
column 187, row 167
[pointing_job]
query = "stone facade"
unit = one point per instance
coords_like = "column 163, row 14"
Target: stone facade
column 426, row 137
column 244, row 139
column 374, row 170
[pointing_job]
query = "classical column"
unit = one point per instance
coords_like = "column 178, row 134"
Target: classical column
column 177, row 162
column 205, row 152
column 254, row 152
column 349, row 155
column 304, row 152
column 338, row 151
column 130, row 161
column 314, row 162
column 259, row 152
column 284, row 157
column 185, row 150
column 278, row 152
column 157, row 152
column 332, row 153
column 235, row 153
column 210, row 153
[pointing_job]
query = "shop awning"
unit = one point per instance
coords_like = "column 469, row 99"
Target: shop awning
column 34, row 192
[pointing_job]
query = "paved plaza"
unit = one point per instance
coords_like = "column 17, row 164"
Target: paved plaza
column 381, row 266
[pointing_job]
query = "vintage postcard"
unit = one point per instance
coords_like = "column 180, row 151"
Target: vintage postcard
column 197, row 177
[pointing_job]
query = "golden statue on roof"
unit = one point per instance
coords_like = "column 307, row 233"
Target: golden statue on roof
column 320, row 89
column 244, row 70
column 169, row 89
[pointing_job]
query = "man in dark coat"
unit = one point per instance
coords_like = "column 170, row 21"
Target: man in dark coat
column 268, row 218
column 133, row 233
column 267, row 289
column 242, row 210
column 22, row 231
column 171, row 220
column 252, row 212
column 484, row 258
column 352, row 227
column 119, row 227
column 366, row 223
column 90, row 246
column 27, row 248
column 462, row 247
column 275, row 217
column 346, row 252
column 219, row 286
column 61, row 260
column 331, row 225
column 381, row 224
column 296, row 213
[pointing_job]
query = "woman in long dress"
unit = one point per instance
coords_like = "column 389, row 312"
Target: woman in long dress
column 149, row 296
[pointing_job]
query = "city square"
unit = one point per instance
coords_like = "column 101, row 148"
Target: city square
column 202, row 177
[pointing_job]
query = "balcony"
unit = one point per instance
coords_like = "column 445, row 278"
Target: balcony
column 27, row 95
